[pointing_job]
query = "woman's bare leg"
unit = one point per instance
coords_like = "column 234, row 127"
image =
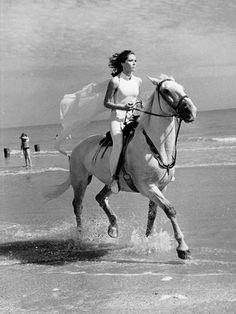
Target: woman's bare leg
column 117, row 138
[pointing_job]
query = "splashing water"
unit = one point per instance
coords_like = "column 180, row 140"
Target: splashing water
column 157, row 242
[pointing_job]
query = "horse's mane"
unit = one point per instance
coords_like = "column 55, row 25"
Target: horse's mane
column 149, row 101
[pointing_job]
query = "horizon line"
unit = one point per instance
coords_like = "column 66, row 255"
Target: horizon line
column 59, row 124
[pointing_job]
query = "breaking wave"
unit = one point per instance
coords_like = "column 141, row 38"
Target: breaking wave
column 226, row 140
column 19, row 171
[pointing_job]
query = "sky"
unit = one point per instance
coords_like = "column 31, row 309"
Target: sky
column 54, row 47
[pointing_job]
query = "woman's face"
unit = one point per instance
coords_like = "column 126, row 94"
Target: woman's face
column 130, row 64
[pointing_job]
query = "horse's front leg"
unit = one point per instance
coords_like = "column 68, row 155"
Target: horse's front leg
column 152, row 212
column 156, row 196
column 102, row 199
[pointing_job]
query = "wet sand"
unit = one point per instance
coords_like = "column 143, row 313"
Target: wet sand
column 71, row 292
column 63, row 276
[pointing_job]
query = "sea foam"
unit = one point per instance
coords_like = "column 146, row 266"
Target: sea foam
column 14, row 172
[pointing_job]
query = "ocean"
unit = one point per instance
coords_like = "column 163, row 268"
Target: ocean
column 39, row 244
column 209, row 141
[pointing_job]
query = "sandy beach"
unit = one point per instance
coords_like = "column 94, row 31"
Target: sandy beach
column 65, row 275
column 91, row 293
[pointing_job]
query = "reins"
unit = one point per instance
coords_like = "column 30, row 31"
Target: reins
column 151, row 113
column 159, row 101
column 155, row 151
column 151, row 145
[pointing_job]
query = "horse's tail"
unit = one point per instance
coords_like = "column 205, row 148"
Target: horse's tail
column 57, row 190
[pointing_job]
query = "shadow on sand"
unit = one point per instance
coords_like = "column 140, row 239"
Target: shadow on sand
column 52, row 252
column 59, row 252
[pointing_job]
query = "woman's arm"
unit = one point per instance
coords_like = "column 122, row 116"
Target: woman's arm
column 141, row 94
column 108, row 100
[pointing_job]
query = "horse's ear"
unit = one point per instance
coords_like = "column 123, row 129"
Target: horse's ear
column 154, row 81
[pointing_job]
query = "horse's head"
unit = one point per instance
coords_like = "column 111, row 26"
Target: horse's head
column 173, row 99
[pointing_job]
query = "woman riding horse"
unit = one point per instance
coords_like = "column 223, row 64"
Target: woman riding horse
column 149, row 159
column 121, row 96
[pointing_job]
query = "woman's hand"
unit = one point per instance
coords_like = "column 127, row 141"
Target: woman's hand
column 129, row 106
column 140, row 104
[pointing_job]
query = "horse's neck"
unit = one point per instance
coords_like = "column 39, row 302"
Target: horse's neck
column 161, row 130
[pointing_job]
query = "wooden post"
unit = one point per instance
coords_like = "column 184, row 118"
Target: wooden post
column 37, row 147
column 6, row 152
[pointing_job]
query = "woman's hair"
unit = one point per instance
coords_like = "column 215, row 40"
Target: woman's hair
column 116, row 59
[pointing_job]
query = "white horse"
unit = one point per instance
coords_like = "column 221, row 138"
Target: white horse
column 149, row 159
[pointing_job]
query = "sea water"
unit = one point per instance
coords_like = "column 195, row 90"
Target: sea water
column 33, row 230
column 209, row 141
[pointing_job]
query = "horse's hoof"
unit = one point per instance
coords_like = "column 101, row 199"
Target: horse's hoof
column 79, row 230
column 79, row 233
column 148, row 233
column 113, row 231
column 184, row 254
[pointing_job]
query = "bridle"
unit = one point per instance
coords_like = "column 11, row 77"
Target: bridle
column 159, row 95
column 178, row 119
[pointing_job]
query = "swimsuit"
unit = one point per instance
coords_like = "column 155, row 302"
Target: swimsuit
column 25, row 143
column 127, row 92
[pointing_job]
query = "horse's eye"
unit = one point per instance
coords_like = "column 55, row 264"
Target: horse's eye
column 166, row 91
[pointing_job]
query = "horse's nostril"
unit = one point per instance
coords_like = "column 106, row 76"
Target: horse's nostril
column 191, row 119
column 186, row 113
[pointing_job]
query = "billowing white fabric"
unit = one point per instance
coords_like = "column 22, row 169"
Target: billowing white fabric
column 77, row 110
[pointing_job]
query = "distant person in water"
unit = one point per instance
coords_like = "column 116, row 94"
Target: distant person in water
column 26, row 149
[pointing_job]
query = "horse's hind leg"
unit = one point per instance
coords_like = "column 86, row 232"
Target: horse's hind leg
column 102, row 199
column 79, row 188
